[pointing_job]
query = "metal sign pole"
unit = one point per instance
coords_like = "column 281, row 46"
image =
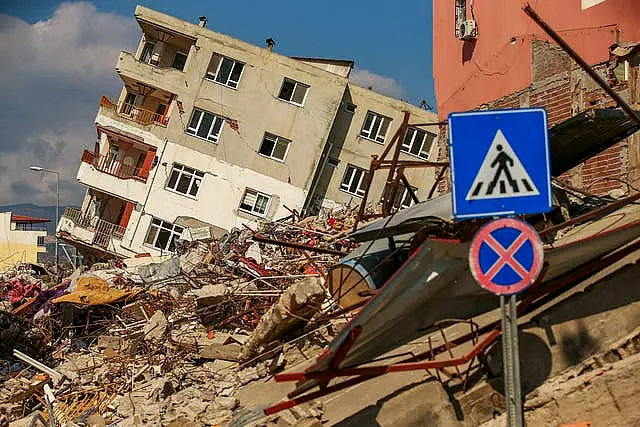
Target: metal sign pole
column 511, row 362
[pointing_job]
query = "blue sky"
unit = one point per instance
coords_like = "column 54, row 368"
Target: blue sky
column 59, row 57
column 387, row 39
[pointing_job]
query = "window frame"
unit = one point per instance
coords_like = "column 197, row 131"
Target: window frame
column 407, row 148
column 186, row 58
column 400, row 197
column 213, row 77
column 194, row 131
column 295, row 85
column 149, row 53
column 360, row 187
column 180, row 169
column 366, row 133
column 252, row 210
column 158, row 224
column 275, row 141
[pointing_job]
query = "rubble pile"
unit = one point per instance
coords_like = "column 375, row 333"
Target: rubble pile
column 168, row 340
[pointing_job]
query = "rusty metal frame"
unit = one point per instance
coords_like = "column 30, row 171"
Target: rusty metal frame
column 396, row 172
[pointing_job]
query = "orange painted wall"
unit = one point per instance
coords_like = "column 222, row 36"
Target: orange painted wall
column 468, row 74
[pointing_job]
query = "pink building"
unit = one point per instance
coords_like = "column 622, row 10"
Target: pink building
column 497, row 61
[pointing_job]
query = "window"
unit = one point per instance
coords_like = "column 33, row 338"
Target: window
column 418, row 142
column 205, row 125
column 147, row 51
column 354, row 180
column 163, row 235
column 350, row 108
column 375, row 127
column 185, row 180
column 40, row 241
column 254, row 202
column 292, row 91
column 403, row 198
column 225, row 71
column 179, row 60
column 274, row 146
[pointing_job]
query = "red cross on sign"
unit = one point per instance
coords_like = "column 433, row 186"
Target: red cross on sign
column 506, row 256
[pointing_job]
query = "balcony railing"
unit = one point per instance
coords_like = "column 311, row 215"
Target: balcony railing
column 134, row 113
column 103, row 230
column 112, row 166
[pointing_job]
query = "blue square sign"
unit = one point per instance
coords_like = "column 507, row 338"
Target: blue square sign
column 499, row 163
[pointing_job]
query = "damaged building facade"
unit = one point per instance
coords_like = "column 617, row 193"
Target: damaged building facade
column 210, row 133
column 479, row 65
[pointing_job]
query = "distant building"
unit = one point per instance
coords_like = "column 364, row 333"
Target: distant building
column 21, row 239
column 210, row 133
column 491, row 55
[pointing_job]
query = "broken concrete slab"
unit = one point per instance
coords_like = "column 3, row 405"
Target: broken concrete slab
column 294, row 308
column 156, row 328
column 229, row 352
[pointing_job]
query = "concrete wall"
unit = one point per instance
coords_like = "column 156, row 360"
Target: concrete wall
column 17, row 246
column 254, row 104
column 352, row 148
column 469, row 73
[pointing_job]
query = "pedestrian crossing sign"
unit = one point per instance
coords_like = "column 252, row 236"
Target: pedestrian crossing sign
column 499, row 163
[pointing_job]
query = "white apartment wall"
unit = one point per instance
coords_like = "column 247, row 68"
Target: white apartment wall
column 218, row 198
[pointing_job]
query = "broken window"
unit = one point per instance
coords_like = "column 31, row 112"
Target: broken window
column 254, row 202
column 205, row 125
column 418, row 142
column 185, row 180
column 354, row 180
column 179, row 60
column 274, row 146
column 224, row 70
column 163, row 235
column 292, row 91
column 375, row 127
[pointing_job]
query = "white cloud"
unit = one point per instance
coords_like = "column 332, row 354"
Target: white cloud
column 51, row 79
column 384, row 85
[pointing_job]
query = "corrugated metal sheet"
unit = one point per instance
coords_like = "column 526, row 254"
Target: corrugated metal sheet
column 587, row 134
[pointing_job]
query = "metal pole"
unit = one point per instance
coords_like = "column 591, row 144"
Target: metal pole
column 55, row 229
column 510, row 362
column 517, row 391
column 581, row 62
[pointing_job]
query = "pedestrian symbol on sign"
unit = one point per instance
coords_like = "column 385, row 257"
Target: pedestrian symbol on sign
column 501, row 174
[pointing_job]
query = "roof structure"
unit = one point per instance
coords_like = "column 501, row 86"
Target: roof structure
column 28, row 219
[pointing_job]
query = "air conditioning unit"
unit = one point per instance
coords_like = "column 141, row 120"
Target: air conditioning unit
column 468, row 30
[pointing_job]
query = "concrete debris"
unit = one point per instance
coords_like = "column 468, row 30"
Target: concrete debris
column 151, row 273
column 156, row 327
column 157, row 340
column 294, row 308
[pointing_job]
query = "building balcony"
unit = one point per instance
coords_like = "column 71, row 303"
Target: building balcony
column 113, row 167
column 89, row 230
column 166, row 78
column 132, row 113
column 112, row 176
